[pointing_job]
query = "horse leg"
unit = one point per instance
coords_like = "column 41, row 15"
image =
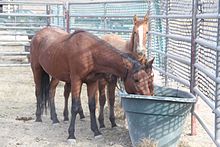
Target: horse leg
column 91, row 91
column 53, row 84
column 76, row 86
column 37, row 79
column 67, row 89
column 111, row 99
column 81, row 114
column 41, row 79
column 102, row 99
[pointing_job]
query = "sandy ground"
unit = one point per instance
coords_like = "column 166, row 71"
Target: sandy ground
column 17, row 100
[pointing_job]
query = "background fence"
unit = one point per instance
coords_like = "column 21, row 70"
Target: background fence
column 184, row 38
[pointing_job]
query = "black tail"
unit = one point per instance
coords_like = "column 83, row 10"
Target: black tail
column 45, row 81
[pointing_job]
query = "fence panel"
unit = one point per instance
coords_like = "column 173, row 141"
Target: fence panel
column 106, row 17
column 19, row 21
column 185, row 39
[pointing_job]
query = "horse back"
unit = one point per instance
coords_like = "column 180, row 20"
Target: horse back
column 117, row 42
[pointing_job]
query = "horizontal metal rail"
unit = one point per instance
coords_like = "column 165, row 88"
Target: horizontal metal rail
column 211, row 45
column 15, row 34
column 14, row 53
column 172, row 36
column 208, row 16
column 14, row 65
column 171, row 16
column 208, row 101
column 207, row 72
column 30, row 2
column 101, row 30
column 31, row 15
column 106, row 2
column 24, row 28
column 102, row 16
column 183, row 81
column 172, row 56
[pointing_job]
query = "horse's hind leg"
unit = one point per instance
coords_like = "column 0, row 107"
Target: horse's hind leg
column 91, row 90
column 102, row 100
column 67, row 89
column 53, row 84
column 111, row 98
column 40, row 78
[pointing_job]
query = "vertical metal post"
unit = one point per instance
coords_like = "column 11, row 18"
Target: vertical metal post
column 67, row 16
column 166, row 43
column 193, row 60
column 64, row 16
column 105, row 11
column 58, row 12
column 48, row 13
column 149, row 28
column 217, row 88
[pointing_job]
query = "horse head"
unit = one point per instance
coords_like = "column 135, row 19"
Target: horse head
column 139, row 35
column 138, row 79
column 149, row 70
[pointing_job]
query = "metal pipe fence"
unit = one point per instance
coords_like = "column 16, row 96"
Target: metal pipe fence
column 19, row 22
column 183, row 36
column 191, row 51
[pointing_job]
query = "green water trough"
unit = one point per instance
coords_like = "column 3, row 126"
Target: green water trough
column 160, row 117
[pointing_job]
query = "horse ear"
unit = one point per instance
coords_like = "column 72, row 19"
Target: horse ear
column 135, row 19
column 146, row 18
column 149, row 64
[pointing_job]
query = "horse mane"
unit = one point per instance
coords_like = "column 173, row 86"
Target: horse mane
column 131, row 41
column 74, row 33
column 136, row 65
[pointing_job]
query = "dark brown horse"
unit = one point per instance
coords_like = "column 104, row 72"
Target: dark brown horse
column 80, row 58
column 136, row 46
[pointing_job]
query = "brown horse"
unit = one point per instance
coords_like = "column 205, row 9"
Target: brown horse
column 136, row 46
column 80, row 58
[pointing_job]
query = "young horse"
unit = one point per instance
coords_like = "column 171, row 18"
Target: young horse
column 80, row 58
column 136, row 46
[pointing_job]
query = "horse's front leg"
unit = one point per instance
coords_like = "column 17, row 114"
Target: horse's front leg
column 53, row 84
column 102, row 100
column 111, row 98
column 91, row 91
column 67, row 90
column 76, row 86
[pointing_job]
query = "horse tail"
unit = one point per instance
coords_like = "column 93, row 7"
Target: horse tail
column 45, row 81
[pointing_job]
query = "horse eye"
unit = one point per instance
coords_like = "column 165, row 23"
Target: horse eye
column 136, row 80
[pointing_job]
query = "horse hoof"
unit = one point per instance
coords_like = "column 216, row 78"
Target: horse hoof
column 38, row 120
column 114, row 125
column 82, row 117
column 71, row 141
column 98, row 137
column 66, row 119
column 102, row 126
column 56, row 122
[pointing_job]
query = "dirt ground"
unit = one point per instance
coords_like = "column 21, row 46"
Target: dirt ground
column 17, row 100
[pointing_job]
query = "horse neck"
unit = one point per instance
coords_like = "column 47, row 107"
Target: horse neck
column 131, row 42
column 111, row 61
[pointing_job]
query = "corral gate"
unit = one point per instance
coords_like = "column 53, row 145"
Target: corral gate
column 184, row 38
